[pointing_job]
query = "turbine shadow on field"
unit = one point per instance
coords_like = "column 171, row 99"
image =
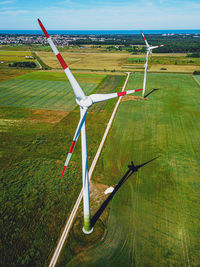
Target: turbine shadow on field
column 131, row 169
column 151, row 92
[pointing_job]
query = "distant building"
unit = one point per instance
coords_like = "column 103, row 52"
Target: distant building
column 29, row 57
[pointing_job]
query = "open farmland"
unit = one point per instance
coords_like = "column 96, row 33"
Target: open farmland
column 15, row 53
column 161, row 63
column 34, row 142
column 123, row 62
column 155, row 213
column 9, row 57
column 37, row 122
column 87, row 61
column 35, row 90
column 7, row 74
column 173, row 68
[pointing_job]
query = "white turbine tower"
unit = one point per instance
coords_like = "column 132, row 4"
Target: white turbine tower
column 148, row 48
column 84, row 102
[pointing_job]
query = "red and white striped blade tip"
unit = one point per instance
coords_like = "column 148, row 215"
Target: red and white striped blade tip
column 68, row 157
column 63, row 171
column 138, row 90
column 43, row 29
column 161, row 45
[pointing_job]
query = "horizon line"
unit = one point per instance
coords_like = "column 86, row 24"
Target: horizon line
column 102, row 29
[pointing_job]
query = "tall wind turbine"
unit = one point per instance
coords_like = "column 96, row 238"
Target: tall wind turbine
column 148, row 48
column 84, row 102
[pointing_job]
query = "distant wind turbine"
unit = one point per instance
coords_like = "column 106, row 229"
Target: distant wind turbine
column 148, row 48
column 84, row 102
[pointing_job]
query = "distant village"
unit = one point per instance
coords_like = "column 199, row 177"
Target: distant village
column 39, row 39
column 65, row 40
column 175, row 43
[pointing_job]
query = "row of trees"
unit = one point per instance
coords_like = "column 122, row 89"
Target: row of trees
column 174, row 44
column 23, row 64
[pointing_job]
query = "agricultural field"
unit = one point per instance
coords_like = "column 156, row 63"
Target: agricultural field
column 9, row 57
column 34, row 143
column 162, row 63
column 93, row 60
column 123, row 62
column 15, row 53
column 87, row 61
column 7, row 74
column 166, row 60
column 151, row 157
column 154, row 211
column 174, row 68
column 44, row 90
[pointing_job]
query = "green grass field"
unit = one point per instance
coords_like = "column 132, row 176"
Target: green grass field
column 33, row 148
column 14, row 58
column 173, row 63
column 15, row 53
column 155, row 215
column 136, row 60
column 174, row 60
column 44, row 90
column 165, row 60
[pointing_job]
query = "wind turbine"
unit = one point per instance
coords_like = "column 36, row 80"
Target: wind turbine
column 84, row 102
column 148, row 48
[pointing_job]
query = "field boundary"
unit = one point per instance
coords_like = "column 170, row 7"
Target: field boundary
column 196, row 80
column 69, row 221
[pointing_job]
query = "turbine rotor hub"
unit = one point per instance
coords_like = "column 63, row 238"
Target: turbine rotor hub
column 85, row 102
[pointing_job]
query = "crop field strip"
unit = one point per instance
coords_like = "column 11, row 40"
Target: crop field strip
column 34, row 201
column 15, row 58
column 15, row 53
column 60, row 76
column 154, row 216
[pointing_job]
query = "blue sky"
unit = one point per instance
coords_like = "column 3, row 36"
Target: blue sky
column 100, row 14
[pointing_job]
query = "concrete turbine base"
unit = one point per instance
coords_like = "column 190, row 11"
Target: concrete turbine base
column 87, row 232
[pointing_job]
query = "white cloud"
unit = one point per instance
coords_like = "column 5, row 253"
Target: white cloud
column 6, row 2
column 12, row 12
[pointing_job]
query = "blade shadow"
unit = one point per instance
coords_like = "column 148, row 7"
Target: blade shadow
column 131, row 169
column 151, row 92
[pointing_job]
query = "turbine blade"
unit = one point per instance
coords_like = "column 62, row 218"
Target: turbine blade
column 144, row 39
column 79, row 94
column 78, row 129
column 102, row 97
column 153, row 47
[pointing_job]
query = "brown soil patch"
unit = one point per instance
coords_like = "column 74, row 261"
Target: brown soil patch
column 43, row 115
column 97, row 192
column 133, row 98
